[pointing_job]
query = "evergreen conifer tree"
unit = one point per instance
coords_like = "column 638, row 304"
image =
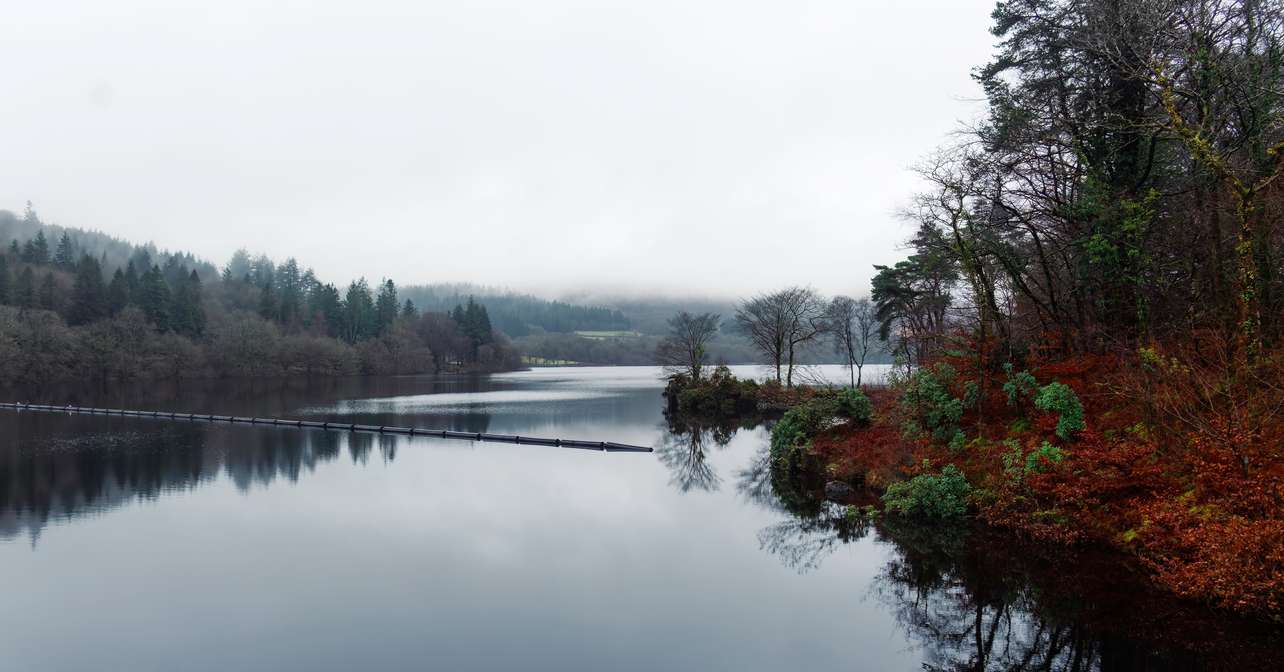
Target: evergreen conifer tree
column 385, row 307
column 36, row 250
column 117, row 293
column 4, row 279
column 24, row 295
column 48, row 295
column 88, row 294
column 187, row 316
column 65, row 256
column 154, row 298
column 132, row 282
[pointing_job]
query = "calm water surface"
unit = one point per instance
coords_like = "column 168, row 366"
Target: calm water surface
column 130, row 544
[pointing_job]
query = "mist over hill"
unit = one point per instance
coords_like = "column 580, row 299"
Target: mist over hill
column 110, row 251
column 577, row 328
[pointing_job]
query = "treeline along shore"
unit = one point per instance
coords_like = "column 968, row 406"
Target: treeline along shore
column 84, row 307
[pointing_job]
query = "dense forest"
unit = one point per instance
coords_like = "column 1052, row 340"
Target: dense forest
column 87, row 307
column 1090, row 318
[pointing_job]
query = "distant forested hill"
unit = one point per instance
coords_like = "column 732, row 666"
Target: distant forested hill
column 650, row 315
column 361, row 326
column 519, row 314
column 111, row 252
column 82, row 306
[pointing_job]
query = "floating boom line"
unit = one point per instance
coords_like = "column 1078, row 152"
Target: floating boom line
column 605, row 446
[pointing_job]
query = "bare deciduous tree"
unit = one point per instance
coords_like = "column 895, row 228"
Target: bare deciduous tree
column 686, row 348
column 781, row 324
column 764, row 321
column 806, row 311
column 854, row 327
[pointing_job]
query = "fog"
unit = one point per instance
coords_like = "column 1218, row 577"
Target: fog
column 713, row 148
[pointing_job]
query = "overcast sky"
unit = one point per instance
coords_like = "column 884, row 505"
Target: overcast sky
column 693, row 147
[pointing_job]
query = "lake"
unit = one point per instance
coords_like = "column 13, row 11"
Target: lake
column 132, row 544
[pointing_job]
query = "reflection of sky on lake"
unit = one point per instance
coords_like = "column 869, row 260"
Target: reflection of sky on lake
column 136, row 544
column 491, row 401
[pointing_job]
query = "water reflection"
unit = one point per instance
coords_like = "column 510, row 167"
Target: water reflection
column 684, row 449
column 978, row 600
column 56, row 468
column 685, row 446
column 531, row 546
column 753, row 481
column 803, row 543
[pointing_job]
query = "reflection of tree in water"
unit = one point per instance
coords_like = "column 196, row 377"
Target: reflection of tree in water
column 976, row 599
column 804, row 542
column 686, row 455
column 754, row 481
column 74, row 467
column 685, row 444
column 966, row 619
column 973, row 601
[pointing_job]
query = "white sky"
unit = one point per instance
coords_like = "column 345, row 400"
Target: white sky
column 692, row 147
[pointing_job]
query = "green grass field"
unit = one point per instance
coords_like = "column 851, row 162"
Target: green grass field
column 604, row 335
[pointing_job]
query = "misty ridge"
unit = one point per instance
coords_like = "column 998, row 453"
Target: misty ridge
column 82, row 304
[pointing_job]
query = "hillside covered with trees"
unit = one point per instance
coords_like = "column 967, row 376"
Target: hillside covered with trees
column 82, row 306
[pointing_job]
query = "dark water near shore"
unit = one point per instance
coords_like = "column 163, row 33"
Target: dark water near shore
column 130, row 544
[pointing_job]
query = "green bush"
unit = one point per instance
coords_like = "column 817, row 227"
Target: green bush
column 855, row 406
column 1059, row 398
column 1019, row 384
column 942, row 495
column 790, row 437
column 802, row 422
column 926, row 397
column 785, row 434
column 1039, row 460
column 718, row 395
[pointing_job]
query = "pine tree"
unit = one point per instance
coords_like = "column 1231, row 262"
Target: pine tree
column 4, row 279
column 48, row 295
column 24, row 295
column 385, row 307
column 187, row 316
column 174, row 271
column 132, row 282
column 65, row 256
column 289, row 287
column 359, row 313
column 196, row 320
column 154, row 298
column 269, row 307
column 484, row 330
column 324, row 304
column 88, row 295
column 474, row 322
column 36, row 251
column 117, row 293
column 14, row 250
column 408, row 310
